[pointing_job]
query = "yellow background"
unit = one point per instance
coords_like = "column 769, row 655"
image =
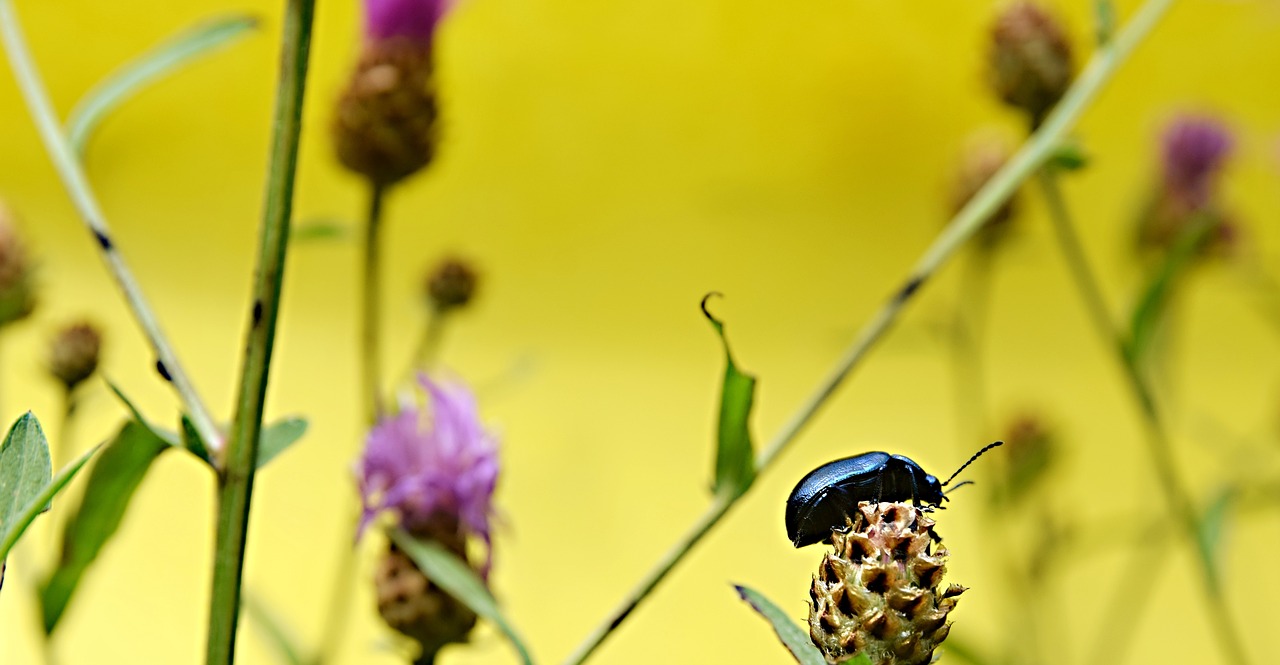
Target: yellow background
column 607, row 163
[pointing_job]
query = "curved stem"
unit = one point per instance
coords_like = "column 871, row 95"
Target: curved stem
column 77, row 184
column 236, row 480
column 370, row 318
column 1159, row 446
column 998, row 189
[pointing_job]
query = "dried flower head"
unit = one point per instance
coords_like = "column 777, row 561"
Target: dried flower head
column 73, row 355
column 879, row 591
column 17, row 297
column 983, row 156
column 433, row 465
column 451, row 285
column 1030, row 59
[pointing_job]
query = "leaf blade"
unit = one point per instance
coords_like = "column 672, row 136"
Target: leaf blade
column 153, row 64
column 25, row 468
column 735, row 468
column 451, row 574
column 793, row 637
column 37, row 506
column 278, row 436
column 112, row 482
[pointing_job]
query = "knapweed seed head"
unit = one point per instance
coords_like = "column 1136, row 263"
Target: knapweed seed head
column 17, row 297
column 450, row 285
column 879, row 592
column 983, row 156
column 73, row 354
column 1031, row 64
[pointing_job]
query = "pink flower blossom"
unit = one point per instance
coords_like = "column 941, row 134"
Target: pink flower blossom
column 1193, row 151
column 411, row 19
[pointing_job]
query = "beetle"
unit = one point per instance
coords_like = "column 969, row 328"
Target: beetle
column 825, row 498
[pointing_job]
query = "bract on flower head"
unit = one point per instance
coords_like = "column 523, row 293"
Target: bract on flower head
column 411, row 19
column 432, row 465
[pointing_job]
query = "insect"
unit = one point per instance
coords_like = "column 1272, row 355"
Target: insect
column 825, row 497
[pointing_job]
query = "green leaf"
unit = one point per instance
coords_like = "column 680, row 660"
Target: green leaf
column 860, row 659
column 735, row 459
column 1211, row 527
column 1069, row 156
column 276, row 633
column 315, row 230
column 1149, row 312
column 165, row 435
column 793, row 637
column 135, row 75
column 192, row 441
column 456, row 577
column 25, row 469
column 39, row 503
column 112, row 482
column 278, row 436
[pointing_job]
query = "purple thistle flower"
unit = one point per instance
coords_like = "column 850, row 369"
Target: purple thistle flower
column 415, row 20
column 1194, row 149
column 432, row 465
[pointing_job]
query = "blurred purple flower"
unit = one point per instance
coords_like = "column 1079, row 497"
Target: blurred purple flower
column 1194, row 149
column 432, row 465
column 415, row 20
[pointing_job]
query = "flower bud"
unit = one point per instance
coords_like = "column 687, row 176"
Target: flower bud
column 451, row 285
column 73, row 355
column 414, row 606
column 17, row 298
column 879, row 591
column 1032, row 448
column 982, row 158
column 1030, row 59
column 1193, row 152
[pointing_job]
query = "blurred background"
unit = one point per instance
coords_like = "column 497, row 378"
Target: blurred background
column 605, row 165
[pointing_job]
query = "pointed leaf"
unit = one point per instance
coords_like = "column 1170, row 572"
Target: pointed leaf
column 735, row 459
column 278, row 436
column 456, row 577
column 148, row 67
column 316, row 230
column 40, row 503
column 1149, row 312
column 277, row 634
column 1212, row 526
column 193, row 442
column 25, row 469
column 115, row 476
column 793, row 637
column 1069, row 156
column 165, row 435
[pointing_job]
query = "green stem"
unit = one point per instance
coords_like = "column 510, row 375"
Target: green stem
column 236, row 479
column 370, row 320
column 73, row 177
column 335, row 621
column 1159, row 446
column 998, row 189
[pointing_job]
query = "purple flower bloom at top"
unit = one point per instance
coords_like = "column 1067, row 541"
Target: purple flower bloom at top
column 412, row 19
column 1193, row 152
column 432, row 465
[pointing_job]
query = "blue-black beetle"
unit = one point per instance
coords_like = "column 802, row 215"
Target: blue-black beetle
column 827, row 496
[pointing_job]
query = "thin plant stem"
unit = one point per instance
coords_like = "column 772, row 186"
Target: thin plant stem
column 73, row 177
column 1037, row 149
column 424, row 353
column 335, row 621
column 236, row 478
column 969, row 335
column 370, row 319
column 65, row 427
column 1159, row 446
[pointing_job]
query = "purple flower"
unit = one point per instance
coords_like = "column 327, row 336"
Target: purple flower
column 432, row 465
column 1193, row 152
column 412, row 19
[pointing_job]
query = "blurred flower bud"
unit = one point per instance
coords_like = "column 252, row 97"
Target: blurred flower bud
column 879, row 592
column 73, row 356
column 17, row 298
column 1031, row 449
column 385, row 124
column 1193, row 152
column 451, row 285
column 982, row 158
column 1030, row 59
column 414, row 606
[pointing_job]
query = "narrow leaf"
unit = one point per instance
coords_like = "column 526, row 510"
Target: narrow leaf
column 278, row 436
column 1149, row 312
column 319, row 230
column 162, row 59
column 273, row 627
column 39, row 503
column 1069, row 157
column 165, row 435
column 1211, row 528
column 456, row 577
column 193, row 442
column 115, row 476
column 793, row 637
column 735, row 459
column 25, row 469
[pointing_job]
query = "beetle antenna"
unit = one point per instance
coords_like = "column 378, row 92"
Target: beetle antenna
column 958, row 486
column 971, row 459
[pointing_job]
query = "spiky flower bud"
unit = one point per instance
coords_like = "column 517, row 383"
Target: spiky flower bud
column 983, row 156
column 17, row 298
column 413, row 605
column 1030, row 59
column 1193, row 152
column 73, row 355
column 879, row 591
column 450, row 285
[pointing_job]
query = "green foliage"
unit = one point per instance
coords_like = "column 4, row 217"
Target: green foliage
column 1149, row 312
column 456, row 577
column 163, row 59
column 112, row 482
column 735, row 458
column 1211, row 528
column 278, row 436
column 274, row 629
column 793, row 637
column 317, row 230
